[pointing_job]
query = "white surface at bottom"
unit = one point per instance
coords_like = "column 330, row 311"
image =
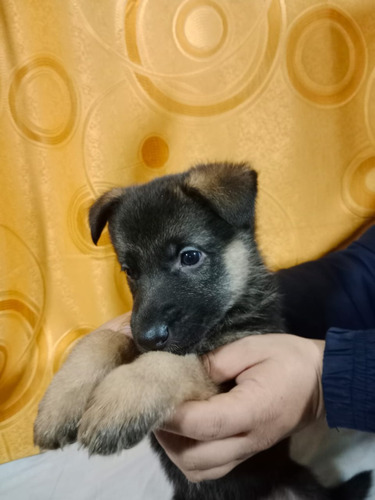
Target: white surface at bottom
column 136, row 474
column 70, row 474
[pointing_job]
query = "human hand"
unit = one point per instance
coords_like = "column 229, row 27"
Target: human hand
column 278, row 391
column 119, row 324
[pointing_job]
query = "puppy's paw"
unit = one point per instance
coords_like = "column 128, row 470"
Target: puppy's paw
column 121, row 412
column 104, row 436
column 135, row 399
column 66, row 399
column 59, row 414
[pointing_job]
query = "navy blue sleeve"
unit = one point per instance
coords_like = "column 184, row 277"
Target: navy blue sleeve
column 337, row 290
column 349, row 379
column 334, row 298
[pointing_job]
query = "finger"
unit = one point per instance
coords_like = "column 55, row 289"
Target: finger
column 209, row 474
column 124, row 326
column 190, row 455
column 229, row 361
column 221, row 416
column 192, row 472
column 120, row 324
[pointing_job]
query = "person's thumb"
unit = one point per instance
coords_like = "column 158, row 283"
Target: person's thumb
column 229, row 361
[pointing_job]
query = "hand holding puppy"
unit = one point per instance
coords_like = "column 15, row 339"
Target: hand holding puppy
column 278, row 391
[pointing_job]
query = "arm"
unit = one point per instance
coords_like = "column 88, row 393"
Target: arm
column 334, row 298
column 349, row 379
column 337, row 290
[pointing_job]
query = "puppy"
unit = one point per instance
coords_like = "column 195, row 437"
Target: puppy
column 187, row 244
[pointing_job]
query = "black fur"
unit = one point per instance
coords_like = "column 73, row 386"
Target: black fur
column 209, row 209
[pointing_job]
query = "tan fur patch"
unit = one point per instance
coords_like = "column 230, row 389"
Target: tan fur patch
column 209, row 180
column 202, row 182
column 236, row 258
column 135, row 399
column 66, row 398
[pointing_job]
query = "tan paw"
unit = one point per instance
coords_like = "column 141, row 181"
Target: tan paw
column 65, row 401
column 137, row 398
column 121, row 412
column 59, row 414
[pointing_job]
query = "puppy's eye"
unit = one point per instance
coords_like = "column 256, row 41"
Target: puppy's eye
column 190, row 257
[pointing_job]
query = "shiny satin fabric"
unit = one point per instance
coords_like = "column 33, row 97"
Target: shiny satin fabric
column 99, row 94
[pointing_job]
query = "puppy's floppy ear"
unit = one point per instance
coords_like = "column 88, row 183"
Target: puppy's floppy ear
column 229, row 189
column 101, row 211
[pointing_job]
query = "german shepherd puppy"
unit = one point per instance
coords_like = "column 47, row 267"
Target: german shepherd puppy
column 187, row 244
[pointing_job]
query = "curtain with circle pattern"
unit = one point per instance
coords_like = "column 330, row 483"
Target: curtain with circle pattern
column 96, row 94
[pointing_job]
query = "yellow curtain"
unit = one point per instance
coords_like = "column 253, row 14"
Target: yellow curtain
column 95, row 94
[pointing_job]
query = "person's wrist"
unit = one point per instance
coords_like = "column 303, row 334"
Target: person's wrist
column 317, row 353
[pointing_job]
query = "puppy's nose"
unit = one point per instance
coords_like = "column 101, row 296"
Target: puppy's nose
column 154, row 338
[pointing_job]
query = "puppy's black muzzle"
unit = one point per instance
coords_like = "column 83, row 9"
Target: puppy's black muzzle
column 155, row 338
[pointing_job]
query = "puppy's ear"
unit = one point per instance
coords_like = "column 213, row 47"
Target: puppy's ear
column 229, row 189
column 101, row 211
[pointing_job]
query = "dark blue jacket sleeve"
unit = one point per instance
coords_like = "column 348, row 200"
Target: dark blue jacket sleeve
column 349, row 379
column 334, row 298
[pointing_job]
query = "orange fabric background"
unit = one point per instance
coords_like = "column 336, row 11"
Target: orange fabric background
column 95, row 94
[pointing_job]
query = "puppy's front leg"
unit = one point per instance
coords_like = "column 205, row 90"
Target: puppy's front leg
column 66, row 398
column 135, row 399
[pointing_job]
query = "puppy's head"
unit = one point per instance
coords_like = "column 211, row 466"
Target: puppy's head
column 185, row 242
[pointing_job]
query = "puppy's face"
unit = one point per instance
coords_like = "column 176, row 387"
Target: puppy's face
column 184, row 242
